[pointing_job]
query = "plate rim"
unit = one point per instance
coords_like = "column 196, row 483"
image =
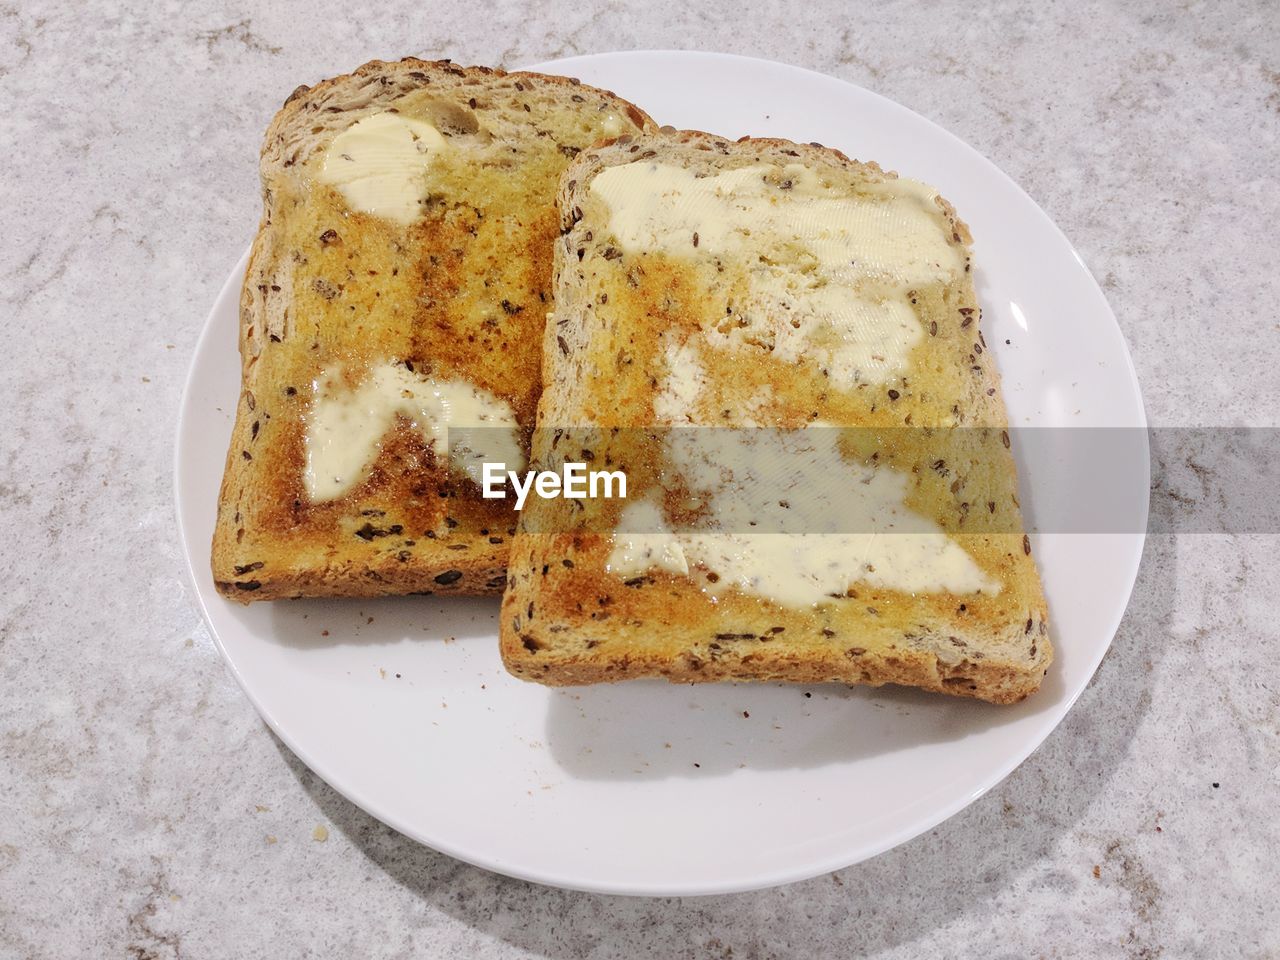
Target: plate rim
column 764, row 879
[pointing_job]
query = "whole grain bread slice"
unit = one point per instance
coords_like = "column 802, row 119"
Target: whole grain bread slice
column 621, row 315
column 462, row 292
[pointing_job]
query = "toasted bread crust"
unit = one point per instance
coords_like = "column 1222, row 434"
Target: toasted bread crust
column 412, row 527
column 992, row 682
column 565, row 620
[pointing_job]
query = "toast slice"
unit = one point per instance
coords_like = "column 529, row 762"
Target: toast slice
column 398, row 287
column 858, row 520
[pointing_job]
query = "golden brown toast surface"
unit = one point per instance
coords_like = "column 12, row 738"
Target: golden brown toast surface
column 460, row 293
column 622, row 318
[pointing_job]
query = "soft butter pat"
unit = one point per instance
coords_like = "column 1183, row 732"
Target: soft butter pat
column 379, row 165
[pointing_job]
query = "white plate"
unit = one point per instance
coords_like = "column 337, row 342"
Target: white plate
column 647, row 788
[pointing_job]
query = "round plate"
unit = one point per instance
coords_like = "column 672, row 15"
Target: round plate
column 403, row 706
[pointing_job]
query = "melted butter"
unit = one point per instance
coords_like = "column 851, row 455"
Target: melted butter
column 829, row 274
column 680, row 394
column 345, row 427
column 379, row 164
column 684, row 383
column 798, row 486
column 611, row 125
column 642, row 543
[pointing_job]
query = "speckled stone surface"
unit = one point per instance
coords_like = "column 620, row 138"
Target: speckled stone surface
column 146, row 811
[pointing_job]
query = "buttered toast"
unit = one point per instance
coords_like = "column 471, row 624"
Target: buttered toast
column 781, row 349
column 396, row 294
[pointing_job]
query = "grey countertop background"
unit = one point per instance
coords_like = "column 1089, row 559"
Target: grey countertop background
column 146, row 811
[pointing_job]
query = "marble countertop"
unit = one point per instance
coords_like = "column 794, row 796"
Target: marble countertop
column 146, row 811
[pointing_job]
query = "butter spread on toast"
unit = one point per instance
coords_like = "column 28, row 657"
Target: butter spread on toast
column 671, row 316
column 798, row 486
column 346, row 425
column 643, row 542
column 860, row 258
column 830, row 276
column 379, row 165
column 432, row 246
